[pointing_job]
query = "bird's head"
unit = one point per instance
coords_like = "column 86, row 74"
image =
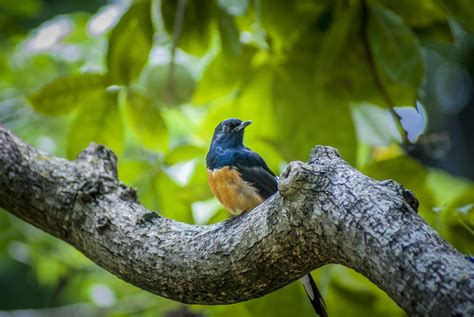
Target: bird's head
column 230, row 133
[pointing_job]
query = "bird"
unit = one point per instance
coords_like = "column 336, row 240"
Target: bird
column 241, row 180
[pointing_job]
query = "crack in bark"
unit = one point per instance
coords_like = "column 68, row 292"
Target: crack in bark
column 326, row 212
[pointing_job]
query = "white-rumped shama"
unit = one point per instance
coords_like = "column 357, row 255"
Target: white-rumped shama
column 241, row 180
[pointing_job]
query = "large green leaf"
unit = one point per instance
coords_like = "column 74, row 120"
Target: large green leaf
column 397, row 54
column 184, row 152
column 195, row 35
column 172, row 200
column 460, row 10
column 285, row 21
column 146, row 122
column 234, row 7
column 66, row 93
column 418, row 14
column 99, row 121
column 130, row 43
column 352, row 294
column 142, row 175
column 166, row 89
column 223, row 75
column 408, row 172
column 288, row 301
column 458, row 221
column 307, row 116
column 229, row 34
column 375, row 126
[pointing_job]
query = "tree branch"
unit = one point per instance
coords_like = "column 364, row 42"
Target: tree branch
column 325, row 212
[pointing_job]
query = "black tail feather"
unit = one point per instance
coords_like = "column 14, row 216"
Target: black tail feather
column 314, row 295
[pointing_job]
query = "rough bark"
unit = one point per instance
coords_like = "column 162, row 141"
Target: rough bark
column 326, row 212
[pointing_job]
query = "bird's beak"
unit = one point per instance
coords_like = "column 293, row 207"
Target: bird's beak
column 242, row 125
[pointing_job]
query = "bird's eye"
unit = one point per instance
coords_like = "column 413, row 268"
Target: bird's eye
column 225, row 128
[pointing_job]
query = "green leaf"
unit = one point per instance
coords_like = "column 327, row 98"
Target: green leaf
column 132, row 172
column 64, row 94
column 171, row 200
column 307, row 116
column 288, row 301
column 285, row 21
column 458, row 221
column 223, row 75
column 146, row 122
column 397, row 53
column 234, row 7
column 130, row 43
column 168, row 90
column 418, row 14
column 375, row 126
column 411, row 174
column 352, row 294
column 184, row 152
column 142, row 175
column 460, row 10
column 99, row 122
column 446, row 187
column 229, row 33
column 195, row 35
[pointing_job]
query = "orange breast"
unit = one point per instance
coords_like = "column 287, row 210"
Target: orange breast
column 232, row 191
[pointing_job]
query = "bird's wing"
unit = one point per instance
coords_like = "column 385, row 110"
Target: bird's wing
column 254, row 170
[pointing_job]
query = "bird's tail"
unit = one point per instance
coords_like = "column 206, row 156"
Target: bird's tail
column 314, row 295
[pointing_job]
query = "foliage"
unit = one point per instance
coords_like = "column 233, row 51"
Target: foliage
column 304, row 71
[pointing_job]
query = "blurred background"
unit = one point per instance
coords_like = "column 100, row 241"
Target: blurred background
column 389, row 83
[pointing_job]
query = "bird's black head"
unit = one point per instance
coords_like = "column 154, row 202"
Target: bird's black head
column 230, row 133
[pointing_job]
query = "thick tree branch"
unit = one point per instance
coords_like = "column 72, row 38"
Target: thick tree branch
column 326, row 212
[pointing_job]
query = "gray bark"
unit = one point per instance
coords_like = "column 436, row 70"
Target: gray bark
column 325, row 212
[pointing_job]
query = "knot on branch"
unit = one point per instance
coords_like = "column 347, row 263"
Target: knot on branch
column 296, row 176
column 322, row 154
column 100, row 158
column 406, row 194
column 98, row 166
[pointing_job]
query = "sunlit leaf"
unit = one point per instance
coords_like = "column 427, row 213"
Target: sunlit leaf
column 352, row 294
column 418, row 14
column 446, row 187
column 99, row 122
column 141, row 175
column 66, row 93
column 183, row 152
column 288, row 301
column 233, row 7
column 195, row 35
column 411, row 174
column 326, row 120
column 397, row 54
column 285, row 21
column 130, row 43
column 458, row 221
column 166, row 89
column 223, row 75
column 146, row 121
column 229, row 33
column 172, row 204
column 375, row 126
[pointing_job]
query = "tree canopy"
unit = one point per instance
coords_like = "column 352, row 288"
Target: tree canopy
column 151, row 79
